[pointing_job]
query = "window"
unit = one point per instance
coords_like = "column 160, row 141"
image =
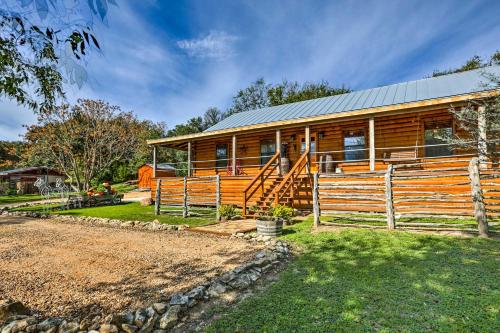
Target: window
column 303, row 145
column 354, row 145
column 221, row 156
column 267, row 150
column 436, row 133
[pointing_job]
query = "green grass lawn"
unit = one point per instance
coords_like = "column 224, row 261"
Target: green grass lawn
column 132, row 211
column 11, row 199
column 123, row 187
column 370, row 280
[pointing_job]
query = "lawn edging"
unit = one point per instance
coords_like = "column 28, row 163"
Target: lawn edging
column 163, row 315
column 101, row 221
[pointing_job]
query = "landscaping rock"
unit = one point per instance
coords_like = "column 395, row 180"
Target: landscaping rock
column 196, row 293
column 69, row 327
column 129, row 328
column 108, row 328
column 149, row 324
column 160, row 307
column 10, row 308
column 140, row 318
column 48, row 324
column 170, row 318
column 243, row 281
column 146, row 202
column 216, row 289
column 179, row 299
column 18, row 325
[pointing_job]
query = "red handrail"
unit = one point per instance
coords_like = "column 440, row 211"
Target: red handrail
column 246, row 197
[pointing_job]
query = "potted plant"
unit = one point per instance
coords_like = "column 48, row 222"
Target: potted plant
column 226, row 212
column 272, row 224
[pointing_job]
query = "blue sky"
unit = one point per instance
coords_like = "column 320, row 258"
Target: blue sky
column 171, row 60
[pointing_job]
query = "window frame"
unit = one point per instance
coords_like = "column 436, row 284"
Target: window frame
column 266, row 158
column 221, row 163
column 359, row 155
column 435, row 152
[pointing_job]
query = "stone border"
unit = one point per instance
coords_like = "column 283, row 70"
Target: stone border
column 158, row 317
column 154, row 225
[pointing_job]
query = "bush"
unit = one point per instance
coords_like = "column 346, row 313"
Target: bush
column 283, row 212
column 227, row 211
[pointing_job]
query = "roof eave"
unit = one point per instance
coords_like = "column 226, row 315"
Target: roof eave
column 276, row 124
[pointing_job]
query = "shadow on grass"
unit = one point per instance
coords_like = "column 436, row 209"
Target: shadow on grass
column 365, row 280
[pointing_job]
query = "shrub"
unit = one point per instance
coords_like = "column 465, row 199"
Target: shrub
column 283, row 212
column 227, row 211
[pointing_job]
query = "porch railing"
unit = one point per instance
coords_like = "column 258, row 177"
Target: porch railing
column 289, row 183
column 259, row 180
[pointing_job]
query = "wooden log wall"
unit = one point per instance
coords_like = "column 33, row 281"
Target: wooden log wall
column 405, row 130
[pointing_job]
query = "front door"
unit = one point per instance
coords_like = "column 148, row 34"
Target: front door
column 312, row 153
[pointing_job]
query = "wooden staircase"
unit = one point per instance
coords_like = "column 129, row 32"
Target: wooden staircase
column 274, row 190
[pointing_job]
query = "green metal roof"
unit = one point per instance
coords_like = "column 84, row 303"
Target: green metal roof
column 406, row 92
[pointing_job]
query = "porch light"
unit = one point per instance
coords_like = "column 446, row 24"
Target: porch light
column 321, row 135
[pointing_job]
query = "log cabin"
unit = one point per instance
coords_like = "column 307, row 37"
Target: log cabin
column 266, row 156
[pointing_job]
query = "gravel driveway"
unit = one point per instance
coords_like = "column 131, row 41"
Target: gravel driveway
column 75, row 270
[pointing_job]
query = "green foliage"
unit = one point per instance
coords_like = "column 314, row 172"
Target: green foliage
column 10, row 154
column 227, row 211
column 291, row 92
column 34, row 57
column 250, row 98
column 475, row 62
column 282, row 211
column 365, row 280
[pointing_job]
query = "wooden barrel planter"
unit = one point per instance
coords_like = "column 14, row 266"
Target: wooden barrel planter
column 270, row 228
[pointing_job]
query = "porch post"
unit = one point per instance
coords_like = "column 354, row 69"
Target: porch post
column 233, row 162
column 371, row 130
column 308, row 148
column 482, row 143
column 278, row 150
column 155, row 164
column 189, row 160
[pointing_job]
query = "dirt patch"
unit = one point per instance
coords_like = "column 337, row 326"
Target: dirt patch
column 70, row 270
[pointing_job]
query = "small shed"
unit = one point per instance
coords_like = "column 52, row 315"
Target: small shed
column 23, row 179
column 145, row 173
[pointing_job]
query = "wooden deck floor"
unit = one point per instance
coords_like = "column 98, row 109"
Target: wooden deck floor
column 227, row 228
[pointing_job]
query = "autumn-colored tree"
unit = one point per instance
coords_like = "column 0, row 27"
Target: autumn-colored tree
column 85, row 139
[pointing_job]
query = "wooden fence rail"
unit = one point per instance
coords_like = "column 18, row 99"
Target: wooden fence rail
column 401, row 194
column 181, row 195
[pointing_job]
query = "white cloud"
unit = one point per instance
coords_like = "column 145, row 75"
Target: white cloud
column 215, row 45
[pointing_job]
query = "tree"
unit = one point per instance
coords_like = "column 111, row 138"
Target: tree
column 10, row 154
column 291, row 92
column 211, row 117
column 35, row 36
column 475, row 62
column 84, row 140
column 250, row 98
column 468, row 119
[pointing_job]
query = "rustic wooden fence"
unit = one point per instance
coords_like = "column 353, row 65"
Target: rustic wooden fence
column 188, row 196
column 439, row 196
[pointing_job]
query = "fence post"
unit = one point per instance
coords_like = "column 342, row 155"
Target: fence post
column 316, row 210
column 158, row 197
column 185, row 205
column 217, row 197
column 391, row 224
column 477, row 197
